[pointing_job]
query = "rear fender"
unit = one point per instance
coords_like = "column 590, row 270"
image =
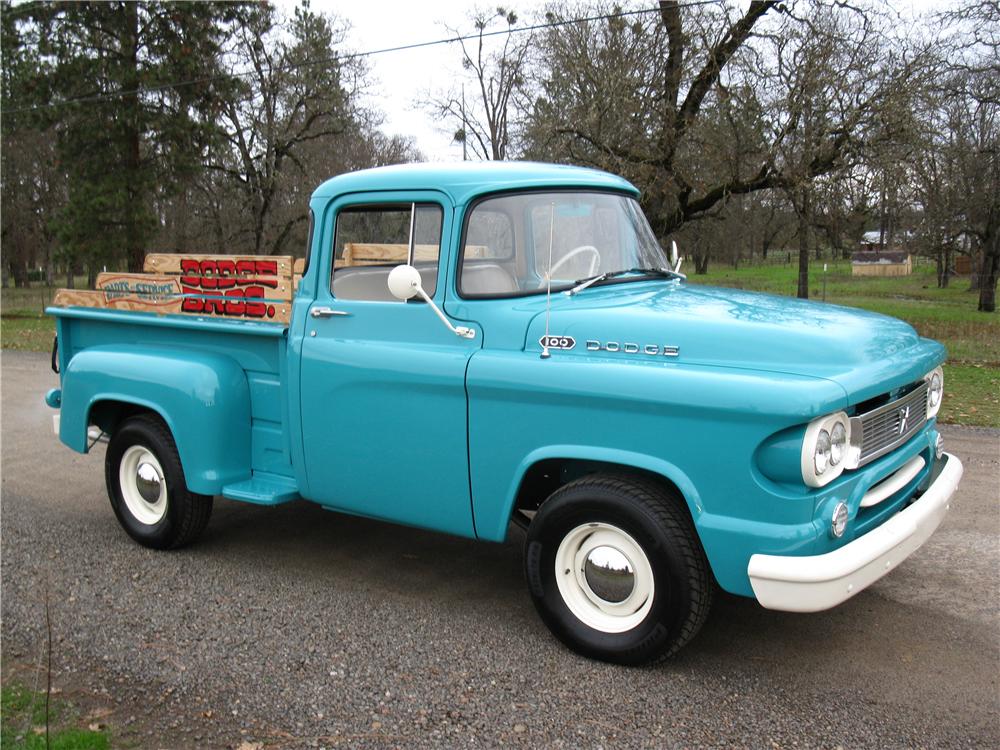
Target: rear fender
column 203, row 397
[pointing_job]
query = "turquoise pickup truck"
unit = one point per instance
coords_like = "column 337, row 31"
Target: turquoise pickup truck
column 470, row 346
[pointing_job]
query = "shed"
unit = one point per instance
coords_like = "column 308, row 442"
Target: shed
column 885, row 263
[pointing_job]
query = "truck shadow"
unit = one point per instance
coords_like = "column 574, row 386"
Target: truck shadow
column 303, row 541
column 359, row 552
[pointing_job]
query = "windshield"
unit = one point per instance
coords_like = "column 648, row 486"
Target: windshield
column 511, row 241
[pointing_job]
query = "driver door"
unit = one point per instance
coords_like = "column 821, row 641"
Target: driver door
column 384, row 409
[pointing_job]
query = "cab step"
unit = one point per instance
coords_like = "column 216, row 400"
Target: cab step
column 263, row 489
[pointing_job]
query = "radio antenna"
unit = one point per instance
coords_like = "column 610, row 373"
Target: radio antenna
column 548, row 282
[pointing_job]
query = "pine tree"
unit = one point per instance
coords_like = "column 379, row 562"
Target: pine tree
column 135, row 90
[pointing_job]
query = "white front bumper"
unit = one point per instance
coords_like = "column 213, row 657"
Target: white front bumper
column 811, row 584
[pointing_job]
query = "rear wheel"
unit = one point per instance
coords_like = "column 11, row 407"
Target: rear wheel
column 616, row 571
column 146, row 486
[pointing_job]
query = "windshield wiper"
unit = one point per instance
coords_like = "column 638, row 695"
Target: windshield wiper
column 582, row 284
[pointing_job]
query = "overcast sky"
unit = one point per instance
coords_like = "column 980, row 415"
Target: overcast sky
column 405, row 77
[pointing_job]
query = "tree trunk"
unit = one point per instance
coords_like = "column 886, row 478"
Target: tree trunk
column 991, row 269
column 219, row 230
column 975, row 276
column 181, row 221
column 19, row 270
column 803, row 211
column 701, row 263
column 133, row 237
column 50, row 266
column 258, row 230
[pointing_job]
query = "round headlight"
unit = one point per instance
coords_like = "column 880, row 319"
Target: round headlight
column 821, row 456
column 935, row 389
column 838, row 443
column 826, row 449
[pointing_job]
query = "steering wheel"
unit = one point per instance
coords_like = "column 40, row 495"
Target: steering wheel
column 595, row 258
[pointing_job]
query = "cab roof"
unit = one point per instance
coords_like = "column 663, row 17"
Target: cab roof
column 463, row 181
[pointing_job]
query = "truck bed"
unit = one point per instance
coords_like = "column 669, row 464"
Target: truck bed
column 97, row 322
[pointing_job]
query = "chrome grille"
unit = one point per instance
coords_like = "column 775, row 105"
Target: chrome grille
column 891, row 425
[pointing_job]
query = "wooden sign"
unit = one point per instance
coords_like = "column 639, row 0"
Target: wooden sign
column 121, row 289
column 240, row 287
column 115, row 301
column 148, row 284
column 253, row 266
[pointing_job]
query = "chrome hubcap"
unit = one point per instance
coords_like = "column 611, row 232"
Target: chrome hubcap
column 148, row 481
column 604, row 577
column 143, row 486
column 609, row 574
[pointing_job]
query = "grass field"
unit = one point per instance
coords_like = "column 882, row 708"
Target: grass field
column 22, row 725
column 972, row 375
column 22, row 322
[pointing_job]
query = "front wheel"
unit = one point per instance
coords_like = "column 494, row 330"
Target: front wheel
column 616, row 571
column 146, row 486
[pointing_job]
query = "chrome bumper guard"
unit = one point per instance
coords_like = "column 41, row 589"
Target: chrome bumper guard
column 811, row 584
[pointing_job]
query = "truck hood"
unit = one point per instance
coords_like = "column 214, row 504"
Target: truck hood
column 866, row 353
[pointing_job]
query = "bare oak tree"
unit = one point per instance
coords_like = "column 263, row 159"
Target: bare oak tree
column 483, row 112
column 297, row 92
column 971, row 93
column 704, row 103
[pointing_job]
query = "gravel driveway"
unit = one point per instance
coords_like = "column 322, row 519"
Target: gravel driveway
column 295, row 627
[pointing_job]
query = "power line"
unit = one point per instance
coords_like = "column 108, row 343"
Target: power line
column 97, row 98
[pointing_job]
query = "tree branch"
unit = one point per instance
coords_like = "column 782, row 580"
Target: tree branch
column 708, row 76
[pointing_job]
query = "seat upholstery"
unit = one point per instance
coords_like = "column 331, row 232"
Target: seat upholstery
column 487, row 278
column 372, row 282
column 364, row 282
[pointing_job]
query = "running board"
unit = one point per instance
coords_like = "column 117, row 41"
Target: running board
column 263, row 490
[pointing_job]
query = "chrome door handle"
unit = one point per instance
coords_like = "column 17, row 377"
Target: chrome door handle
column 327, row 312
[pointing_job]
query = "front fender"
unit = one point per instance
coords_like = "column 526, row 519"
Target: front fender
column 203, row 397
column 496, row 528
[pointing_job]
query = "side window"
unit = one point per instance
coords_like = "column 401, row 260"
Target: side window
column 372, row 240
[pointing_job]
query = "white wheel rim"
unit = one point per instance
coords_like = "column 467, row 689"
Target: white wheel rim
column 142, row 484
column 594, row 611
